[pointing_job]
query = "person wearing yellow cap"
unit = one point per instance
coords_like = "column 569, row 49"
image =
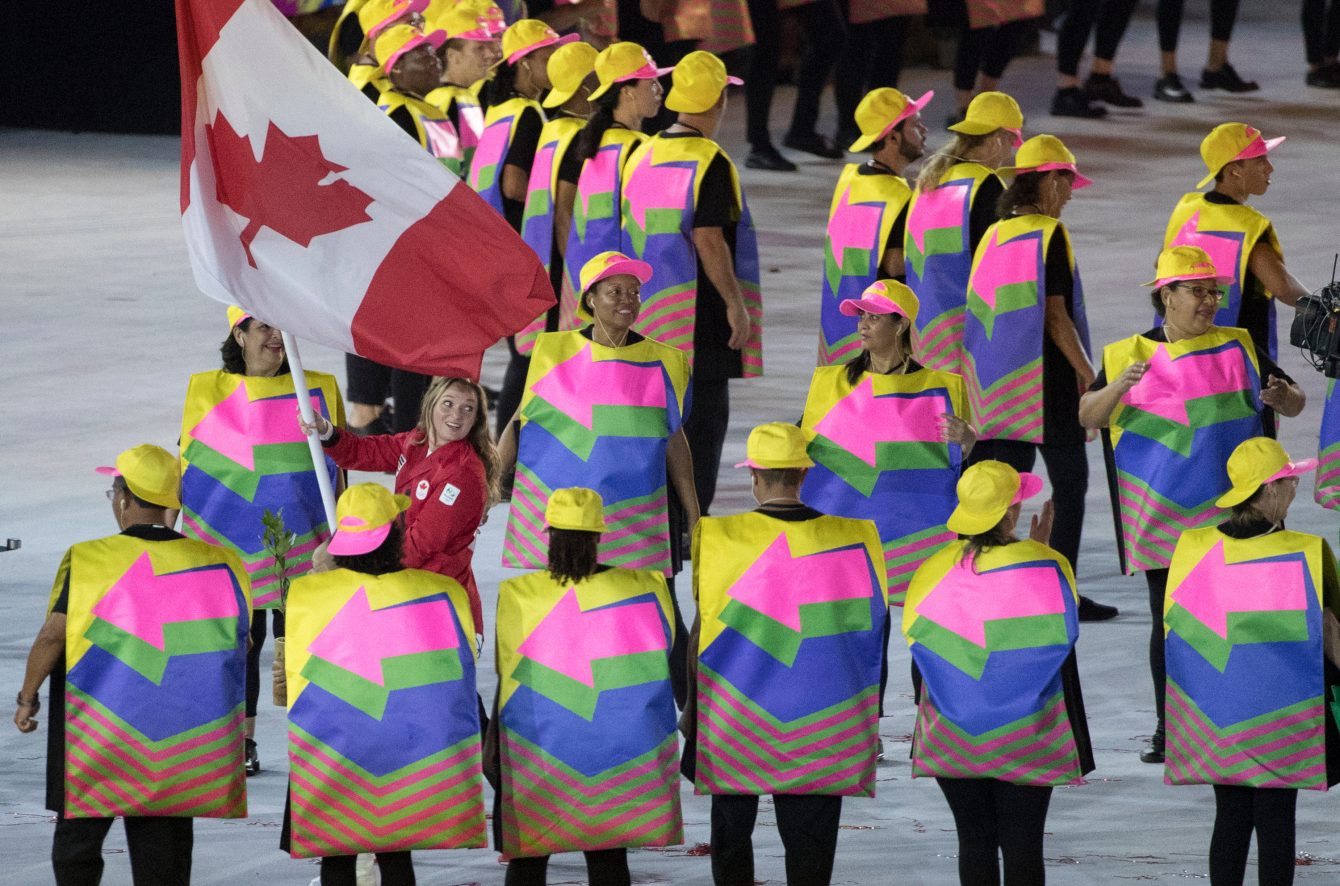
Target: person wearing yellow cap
column 789, row 633
column 145, row 645
column 1253, row 647
column 685, row 214
column 1026, row 339
column 628, row 96
column 346, row 36
column 470, row 49
column 374, row 18
column 951, row 209
column 1242, row 241
column 992, row 621
column 1165, row 469
column 563, row 755
column 381, row 674
column 868, row 214
column 242, row 457
column 549, row 196
column 413, row 70
column 605, row 407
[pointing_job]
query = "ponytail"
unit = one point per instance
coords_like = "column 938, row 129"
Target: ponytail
column 588, row 140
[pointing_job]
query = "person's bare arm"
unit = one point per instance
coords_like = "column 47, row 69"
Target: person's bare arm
column 714, row 253
column 1061, row 330
column 679, row 465
column 515, row 181
column 42, row 658
column 1284, row 397
column 564, row 196
column 1096, row 407
column 1268, row 266
column 507, row 444
column 893, row 266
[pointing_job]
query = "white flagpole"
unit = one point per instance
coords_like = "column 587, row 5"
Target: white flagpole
column 313, row 441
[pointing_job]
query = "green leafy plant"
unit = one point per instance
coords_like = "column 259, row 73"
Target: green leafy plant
column 278, row 541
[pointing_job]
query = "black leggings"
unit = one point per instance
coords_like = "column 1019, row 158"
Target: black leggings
column 1238, row 811
column 397, row 869
column 872, row 58
column 513, row 385
column 1112, row 17
column 996, row 818
column 606, row 867
column 1067, row 469
column 807, row 824
column 1157, row 580
column 1321, row 30
column 254, row 655
column 371, row 383
column 705, row 429
column 822, row 27
column 1223, row 14
column 988, row 50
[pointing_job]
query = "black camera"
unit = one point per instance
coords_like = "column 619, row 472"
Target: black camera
column 1316, row 329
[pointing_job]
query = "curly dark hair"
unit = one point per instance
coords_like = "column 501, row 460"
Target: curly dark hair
column 572, row 554
column 233, row 359
column 995, row 537
column 384, row 558
column 500, row 87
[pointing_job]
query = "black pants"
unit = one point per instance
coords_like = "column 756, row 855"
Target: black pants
column 397, row 869
column 988, row 50
column 995, row 818
column 1157, row 580
column 705, row 430
column 1238, row 811
column 607, row 867
column 679, row 649
column 513, row 385
column 254, row 655
column 371, row 383
column 884, row 662
column 160, row 850
column 1223, row 14
column 1067, row 469
column 823, row 27
column 1321, row 30
column 1112, row 17
column 808, row 825
column 872, row 58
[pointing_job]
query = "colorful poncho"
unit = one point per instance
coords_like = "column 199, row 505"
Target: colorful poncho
column 384, row 749
column 437, row 134
column 469, row 119
column 878, row 456
column 596, row 212
column 589, row 750
column 990, row 638
column 601, row 418
column 791, row 618
column 155, row 658
column 486, row 167
column 242, row 453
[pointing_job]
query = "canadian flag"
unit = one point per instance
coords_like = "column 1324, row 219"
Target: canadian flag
column 305, row 205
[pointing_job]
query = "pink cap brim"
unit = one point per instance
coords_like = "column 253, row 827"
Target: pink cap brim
column 1018, row 136
column 1029, row 486
column 750, row 464
column 479, row 35
column 733, row 81
column 1081, row 181
column 107, row 471
column 912, row 107
column 1293, row 469
column 525, row 51
column 434, row 39
column 1165, row 281
column 639, row 269
column 347, row 543
column 1259, row 147
column 399, row 10
column 646, row 72
column 849, row 306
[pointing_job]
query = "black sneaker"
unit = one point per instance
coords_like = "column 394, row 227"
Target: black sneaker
column 1073, row 102
column 768, row 158
column 813, row 143
column 1107, row 89
column 1325, row 77
column 253, row 761
column 1226, row 79
column 1090, row 610
column 1169, row 88
column 1153, row 752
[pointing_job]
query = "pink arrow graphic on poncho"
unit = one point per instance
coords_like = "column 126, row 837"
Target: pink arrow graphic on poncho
column 860, row 420
column 568, row 639
column 853, row 226
column 937, row 210
column 1223, row 251
column 1215, row 587
column 579, row 383
column 656, row 187
column 194, row 595
column 964, row 601
column 1168, row 384
column 359, row 637
column 599, row 177
column 237, row 424
column 1005, row 264
column 769, row 587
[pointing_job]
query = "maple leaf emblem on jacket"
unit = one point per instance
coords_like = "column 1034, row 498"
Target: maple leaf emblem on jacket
column 286, row 190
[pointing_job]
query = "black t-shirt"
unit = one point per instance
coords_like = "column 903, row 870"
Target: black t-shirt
column 1060, row 384
column 570, row 165
column 899, row 229
column 405, row 120
column 1255, row 308
column 521, row 153
column 982, row 213
column 55, row 798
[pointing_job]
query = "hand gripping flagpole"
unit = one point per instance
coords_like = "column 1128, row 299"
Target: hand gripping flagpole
column 313, row 441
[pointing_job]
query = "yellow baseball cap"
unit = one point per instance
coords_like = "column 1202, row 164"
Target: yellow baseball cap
column 1256, row 462
column 395, row 41
column 527, row 35
column 621, row 62
column 1042, row 153
column 1185, row 263
column 568, row 67
column 609, row 264
column 363, row 518
column 881, row 110
column 575, row 507
column 775, row 446
column 467, row 21
column 235, row 316
column 151, row 472
column 883, row 297
column 697, row 83
column 985, row 492
column 377, row 15
column 990, row 111
column 1232, row 141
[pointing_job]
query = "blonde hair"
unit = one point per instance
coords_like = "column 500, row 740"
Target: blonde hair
column 957, row 151
column 480, row 437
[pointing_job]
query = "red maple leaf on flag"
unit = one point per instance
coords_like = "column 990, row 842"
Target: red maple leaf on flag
column 285, row 190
